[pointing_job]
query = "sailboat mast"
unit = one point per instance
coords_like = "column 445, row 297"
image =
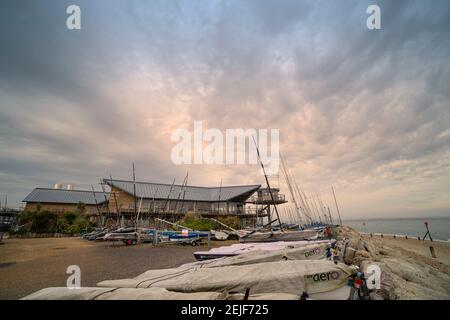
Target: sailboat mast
column 267, row 181
column 134, row 193
column 337, row 208
column 115, row 200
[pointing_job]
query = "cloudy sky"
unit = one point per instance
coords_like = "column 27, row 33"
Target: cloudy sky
column 367, row 111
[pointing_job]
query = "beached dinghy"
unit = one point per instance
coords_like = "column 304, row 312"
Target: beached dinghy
column 129, row 237
column 279, row 236
column 243, row 248
column 95, row 293
column 219, row 235
column 291, row 277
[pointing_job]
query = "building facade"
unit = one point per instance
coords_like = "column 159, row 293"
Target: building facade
column 63, row 200
column 176, row 200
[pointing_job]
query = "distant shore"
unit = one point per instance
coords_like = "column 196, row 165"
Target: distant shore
column 411, row 227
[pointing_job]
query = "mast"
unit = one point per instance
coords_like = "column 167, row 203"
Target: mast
column 337, row 208
column 115, row 200
column 179, row 193
column 268, row 185
column 167, row 204
column 329, row 213
column 96, row 203
column 106, row 199
column 289, row 184
column 173, row 224
column 184, row 193
column 220, row 193
column 154, row 205
column 138, row 214
column 134, row 193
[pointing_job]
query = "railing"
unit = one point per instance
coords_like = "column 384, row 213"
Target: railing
column 267, row 198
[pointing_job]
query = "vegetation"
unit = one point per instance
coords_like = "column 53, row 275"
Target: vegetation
column 50, row 222
column 194, row 221
column 231, row 221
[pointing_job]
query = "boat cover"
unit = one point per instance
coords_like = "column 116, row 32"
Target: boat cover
column 306, row 252
column 291, row 276
column 241, row 248
column 95, row 293
column 279, row 236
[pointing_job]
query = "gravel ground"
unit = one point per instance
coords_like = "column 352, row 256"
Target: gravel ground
column 28, row 265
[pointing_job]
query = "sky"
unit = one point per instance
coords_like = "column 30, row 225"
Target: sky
column 367, row 111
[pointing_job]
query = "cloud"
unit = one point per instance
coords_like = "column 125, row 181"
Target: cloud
column 367, row 111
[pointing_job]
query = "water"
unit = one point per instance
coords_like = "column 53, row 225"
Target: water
column 439, row 227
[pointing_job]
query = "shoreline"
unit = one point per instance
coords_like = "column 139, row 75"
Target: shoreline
column 400, row 236
column 410, row 227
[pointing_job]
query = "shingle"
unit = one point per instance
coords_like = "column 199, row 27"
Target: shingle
column 44, row 195
column 149, row 190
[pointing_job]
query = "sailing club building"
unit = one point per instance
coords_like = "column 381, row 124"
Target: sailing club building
column 158, row 200
column 171, row 199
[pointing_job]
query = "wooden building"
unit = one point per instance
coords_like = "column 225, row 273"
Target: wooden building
column 166, row 200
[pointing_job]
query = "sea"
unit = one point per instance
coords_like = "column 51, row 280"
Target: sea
column 412, row 227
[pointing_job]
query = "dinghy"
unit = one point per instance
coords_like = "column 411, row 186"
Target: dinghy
column 243, row 248
column 292, row 277
column 279, row 236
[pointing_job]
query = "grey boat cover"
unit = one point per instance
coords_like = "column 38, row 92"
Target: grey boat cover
column 291, row 276
column 93, row 293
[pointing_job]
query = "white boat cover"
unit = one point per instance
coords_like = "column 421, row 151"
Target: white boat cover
column 308, row 252
column 292, row 276
column 240, row 248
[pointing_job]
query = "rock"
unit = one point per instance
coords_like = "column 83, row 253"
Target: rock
column 375, row 296
column 368, row 246
column 349, row 255
column 363, row 254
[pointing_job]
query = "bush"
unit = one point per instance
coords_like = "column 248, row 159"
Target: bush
column 49, row 222
column 70, row 217
column 80, row 225
column 26, row 217
column 193, row 221
column 61, row 225
column 231, row 221
column 43, row 222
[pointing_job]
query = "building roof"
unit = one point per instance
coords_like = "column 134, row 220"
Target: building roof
column 46, row 195
column 149, row 190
